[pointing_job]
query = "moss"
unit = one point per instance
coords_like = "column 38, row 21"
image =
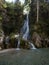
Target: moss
column 24, row 44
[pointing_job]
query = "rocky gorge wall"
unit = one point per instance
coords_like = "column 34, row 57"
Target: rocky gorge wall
column 39, row 31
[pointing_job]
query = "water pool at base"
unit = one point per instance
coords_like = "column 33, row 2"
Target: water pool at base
column 25, row 57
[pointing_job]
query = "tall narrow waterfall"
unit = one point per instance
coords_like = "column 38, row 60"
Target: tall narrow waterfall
column 26, row 32
column 26, row 28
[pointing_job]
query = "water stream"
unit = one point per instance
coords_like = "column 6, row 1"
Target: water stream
column 25, row 31
column 18, row 45
column 26, row 28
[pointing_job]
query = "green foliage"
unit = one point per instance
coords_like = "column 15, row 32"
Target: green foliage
column 24, row 44
column 43, row 25
column 12, row 17
column 12, row 42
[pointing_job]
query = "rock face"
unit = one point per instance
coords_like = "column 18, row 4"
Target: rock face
column 1, row 39
column 39, row 31
column 36, row 39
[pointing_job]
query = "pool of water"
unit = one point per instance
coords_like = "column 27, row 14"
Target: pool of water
column 25, row 57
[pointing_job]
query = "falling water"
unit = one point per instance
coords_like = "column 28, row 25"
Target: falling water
column 17, row 36
column 32, row 45
column 26, row 28
column 26, row 32
column 18, row 45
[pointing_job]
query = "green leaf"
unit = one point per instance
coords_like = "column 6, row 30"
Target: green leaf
column 4, row 5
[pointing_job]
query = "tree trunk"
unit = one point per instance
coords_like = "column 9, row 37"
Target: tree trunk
column 37, row 11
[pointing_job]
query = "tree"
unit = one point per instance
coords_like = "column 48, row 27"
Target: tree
column 12, row 18
column 42, row 17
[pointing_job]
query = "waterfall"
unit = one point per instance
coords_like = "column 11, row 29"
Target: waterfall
column 32, row 45
column 26, row 28
column 18, row 37
column 18, row 44
column 26, row 32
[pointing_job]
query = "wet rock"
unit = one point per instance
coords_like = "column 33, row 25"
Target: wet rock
column 37, row 40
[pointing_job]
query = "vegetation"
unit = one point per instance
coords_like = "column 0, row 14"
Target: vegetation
column 42, row 26
column 12, row 17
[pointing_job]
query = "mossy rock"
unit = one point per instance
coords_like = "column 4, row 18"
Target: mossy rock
column 24, row 44
column 13, row 42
